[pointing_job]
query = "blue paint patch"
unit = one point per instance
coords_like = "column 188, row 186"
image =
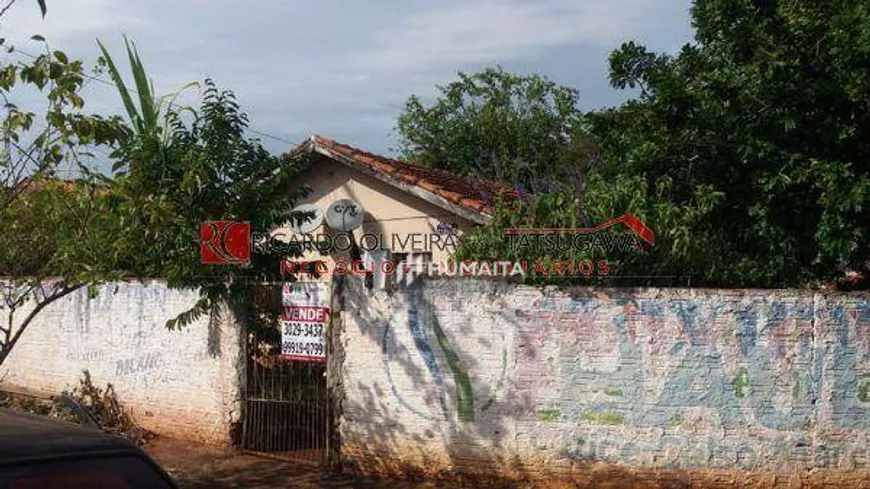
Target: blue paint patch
column 652, row 308
column 545, row 304
column 579, row 305
column 839, row 316
column 778, row 311
column 426, row 352
column 803, row 311
column 687, row 313
column 747, row 328
column 863, row 311
column 619, row 322
column 385, row 361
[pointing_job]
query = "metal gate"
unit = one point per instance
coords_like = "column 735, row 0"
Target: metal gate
column 286, row 403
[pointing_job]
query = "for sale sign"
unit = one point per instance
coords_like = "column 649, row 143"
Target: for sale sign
column 304, row 322
column 312, row 294
column 303, row 341
column 307, row 314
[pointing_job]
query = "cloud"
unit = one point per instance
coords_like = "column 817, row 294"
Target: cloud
column 345, row 68
column 484, row 30
column 68, row 19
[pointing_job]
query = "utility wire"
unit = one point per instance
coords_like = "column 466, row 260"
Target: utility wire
column 112, row 84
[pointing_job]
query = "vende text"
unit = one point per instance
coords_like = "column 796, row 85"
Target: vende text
column 306, row 314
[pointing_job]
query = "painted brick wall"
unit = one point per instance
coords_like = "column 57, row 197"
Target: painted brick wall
column 181, row 383
column 484, row 377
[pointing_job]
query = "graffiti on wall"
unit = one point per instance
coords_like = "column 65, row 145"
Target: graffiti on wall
column 625, row 356
column 437, row 345
column 722, row 378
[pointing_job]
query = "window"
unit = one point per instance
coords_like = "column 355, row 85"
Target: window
column 410, row 265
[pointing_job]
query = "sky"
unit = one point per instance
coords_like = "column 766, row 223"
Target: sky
column 343, row 68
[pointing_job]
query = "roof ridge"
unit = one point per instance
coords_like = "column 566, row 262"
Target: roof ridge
column 474, row 194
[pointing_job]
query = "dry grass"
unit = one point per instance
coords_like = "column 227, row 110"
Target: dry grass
column 102, row 403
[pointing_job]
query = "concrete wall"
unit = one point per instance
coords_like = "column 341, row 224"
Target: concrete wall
column 484, row 377
column 181, row 383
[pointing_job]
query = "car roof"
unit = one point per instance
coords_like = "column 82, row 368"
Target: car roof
column 27, row 436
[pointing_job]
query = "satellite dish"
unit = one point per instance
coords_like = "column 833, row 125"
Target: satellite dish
column 344, row 215
column 309, row 225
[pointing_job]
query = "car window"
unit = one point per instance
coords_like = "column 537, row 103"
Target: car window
column 86, row 473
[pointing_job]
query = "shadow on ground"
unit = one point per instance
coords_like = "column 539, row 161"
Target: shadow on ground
column 194, row 466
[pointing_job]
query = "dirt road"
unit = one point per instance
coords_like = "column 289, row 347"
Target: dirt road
column 197, row 467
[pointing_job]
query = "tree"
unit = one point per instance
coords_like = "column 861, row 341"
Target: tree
column 608, row 259
column 59, row 236
column 770, row 111
column 205, row 170
column 746, row 152
column 52, row 242
column 493, row 124
column 172, row 172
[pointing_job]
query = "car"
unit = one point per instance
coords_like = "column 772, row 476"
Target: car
column 38, row 452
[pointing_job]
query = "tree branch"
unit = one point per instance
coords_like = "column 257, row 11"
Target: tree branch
column 8, row 346
column 6, row 7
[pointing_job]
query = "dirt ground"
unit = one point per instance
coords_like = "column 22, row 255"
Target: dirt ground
column 197, row 467
column 194, row 466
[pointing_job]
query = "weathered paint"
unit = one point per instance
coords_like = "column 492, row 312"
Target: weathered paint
column 731, row 379
column 180, row 383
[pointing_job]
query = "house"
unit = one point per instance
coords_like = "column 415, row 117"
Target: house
column 410, row 212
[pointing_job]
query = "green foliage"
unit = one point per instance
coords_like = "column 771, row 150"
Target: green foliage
column 206, row 170
column 769, row 110
column 746, row 152
column 493, row 123
column 60, row 229
column 56, row 236
column 146, row 118
column 36, row 146
column 170, row 174
column 184, row 166
column 601, row 199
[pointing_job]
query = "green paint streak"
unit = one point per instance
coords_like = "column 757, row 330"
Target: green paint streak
column 549, row 414
column 740, row 383
column 464, row 399
column 604, row 418
column 864, row 392
column 613, row 392
column 728, row 333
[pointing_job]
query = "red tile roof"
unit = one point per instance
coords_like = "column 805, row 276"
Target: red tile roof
column 29, row 184
column 477, row 195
